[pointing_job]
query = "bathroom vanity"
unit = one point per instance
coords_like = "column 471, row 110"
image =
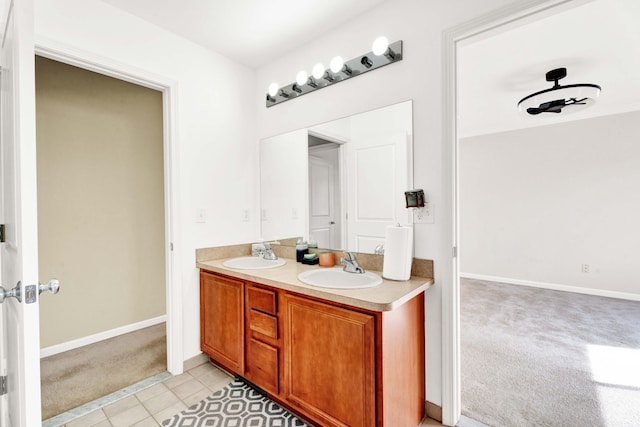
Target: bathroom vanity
column 336, row 357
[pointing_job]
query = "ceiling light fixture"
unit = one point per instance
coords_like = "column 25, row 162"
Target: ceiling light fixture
column 273, row 89
column 560, row 98
column 366, row 61
column 381, row 47
column 328, row 76
column 336, row 64
column 301, row 78
column 318, row 71
column 383, row 54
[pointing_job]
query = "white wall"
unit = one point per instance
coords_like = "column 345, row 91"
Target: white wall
column 536, row 204
column 100, row 202
column 418, row 76
column 284, row 186
column 216, row 136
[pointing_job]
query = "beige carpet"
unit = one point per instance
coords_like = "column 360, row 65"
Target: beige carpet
column 75, row 377
column 537, row 357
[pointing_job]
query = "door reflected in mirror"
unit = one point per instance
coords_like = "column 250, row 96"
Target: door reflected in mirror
column 340, row 183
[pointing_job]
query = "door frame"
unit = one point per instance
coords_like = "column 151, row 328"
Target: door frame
column 173, row 248
column 500, row 20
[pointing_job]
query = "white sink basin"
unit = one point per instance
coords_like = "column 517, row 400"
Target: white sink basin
column 253, row 263
column 337, row 278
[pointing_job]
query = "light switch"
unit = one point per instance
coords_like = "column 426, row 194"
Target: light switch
column 201, row 215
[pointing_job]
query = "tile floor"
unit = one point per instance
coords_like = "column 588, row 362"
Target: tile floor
column 155, row 404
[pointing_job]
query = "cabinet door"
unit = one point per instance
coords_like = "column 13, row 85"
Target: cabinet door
column 262, row 365
column 329, row 362
column 222, row 320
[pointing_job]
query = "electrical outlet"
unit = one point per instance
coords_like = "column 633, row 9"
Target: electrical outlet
column 423, row 215
column 585, row 268
column 294, row 213
column 245, row 215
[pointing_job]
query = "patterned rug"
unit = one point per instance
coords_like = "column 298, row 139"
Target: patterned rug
column 236, row 405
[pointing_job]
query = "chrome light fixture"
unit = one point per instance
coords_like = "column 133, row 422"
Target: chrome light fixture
column 382, row 54
column 560, row 98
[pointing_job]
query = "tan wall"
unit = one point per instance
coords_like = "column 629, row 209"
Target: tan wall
column 100, row 201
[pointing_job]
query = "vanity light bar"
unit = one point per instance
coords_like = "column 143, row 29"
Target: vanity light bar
column 352, row 68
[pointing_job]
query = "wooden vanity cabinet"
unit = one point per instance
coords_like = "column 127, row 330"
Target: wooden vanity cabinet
column 334, row 365
column 222, row 320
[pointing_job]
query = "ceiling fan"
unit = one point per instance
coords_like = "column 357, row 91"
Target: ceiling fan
column 559, row 97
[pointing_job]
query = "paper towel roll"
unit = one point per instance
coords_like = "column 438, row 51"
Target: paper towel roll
column 398, row 253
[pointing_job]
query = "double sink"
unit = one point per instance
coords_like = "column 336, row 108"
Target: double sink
column 334, row 277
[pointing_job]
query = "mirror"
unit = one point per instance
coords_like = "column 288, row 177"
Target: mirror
column 340, row 183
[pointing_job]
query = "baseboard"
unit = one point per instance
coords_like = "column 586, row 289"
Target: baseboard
column 195, row 361
column 91, row 339
column 433, row 411
column 553, row 286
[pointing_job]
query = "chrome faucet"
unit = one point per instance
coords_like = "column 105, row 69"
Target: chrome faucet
column 351, row 264
column 268, row 252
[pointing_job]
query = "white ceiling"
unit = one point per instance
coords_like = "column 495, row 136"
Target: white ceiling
column 251, row 32
column 598, row 42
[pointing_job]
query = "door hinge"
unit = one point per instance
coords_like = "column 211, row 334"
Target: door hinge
column 3, row 385
column 455, row 252
column 2, row 235
column 172, row 246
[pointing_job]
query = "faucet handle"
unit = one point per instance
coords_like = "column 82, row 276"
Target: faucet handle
column 350, row 256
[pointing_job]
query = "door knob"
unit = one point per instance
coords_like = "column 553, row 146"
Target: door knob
column 332, row 222
column 13, row 293
column 53, row 286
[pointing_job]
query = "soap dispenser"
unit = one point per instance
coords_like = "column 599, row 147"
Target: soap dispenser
column 301, row 249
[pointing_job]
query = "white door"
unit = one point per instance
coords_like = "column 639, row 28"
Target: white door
column 321, row 202
column 19, row 253
column 4, row 413
column 377, row 178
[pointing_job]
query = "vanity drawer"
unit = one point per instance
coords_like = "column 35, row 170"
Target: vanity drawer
column 263, row 366
column 261, row 299
column 263, row 324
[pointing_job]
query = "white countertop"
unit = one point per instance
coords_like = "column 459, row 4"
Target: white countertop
column 385, row 297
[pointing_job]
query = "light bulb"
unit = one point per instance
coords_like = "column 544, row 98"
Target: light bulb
column 301, row 78
column 273, row 89
column 318, row 71
column 336, row 64
column 380, row 45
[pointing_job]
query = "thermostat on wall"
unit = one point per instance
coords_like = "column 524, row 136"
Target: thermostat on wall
column 414, row 198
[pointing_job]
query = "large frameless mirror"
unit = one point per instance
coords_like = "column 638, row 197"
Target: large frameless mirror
column 339, row 183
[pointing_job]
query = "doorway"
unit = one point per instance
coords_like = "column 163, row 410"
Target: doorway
column 325, row 193
column 101, row 202
column 500, row 21
column 452, row 39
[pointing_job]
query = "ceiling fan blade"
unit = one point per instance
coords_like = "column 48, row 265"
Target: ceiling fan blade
column 554, row 106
